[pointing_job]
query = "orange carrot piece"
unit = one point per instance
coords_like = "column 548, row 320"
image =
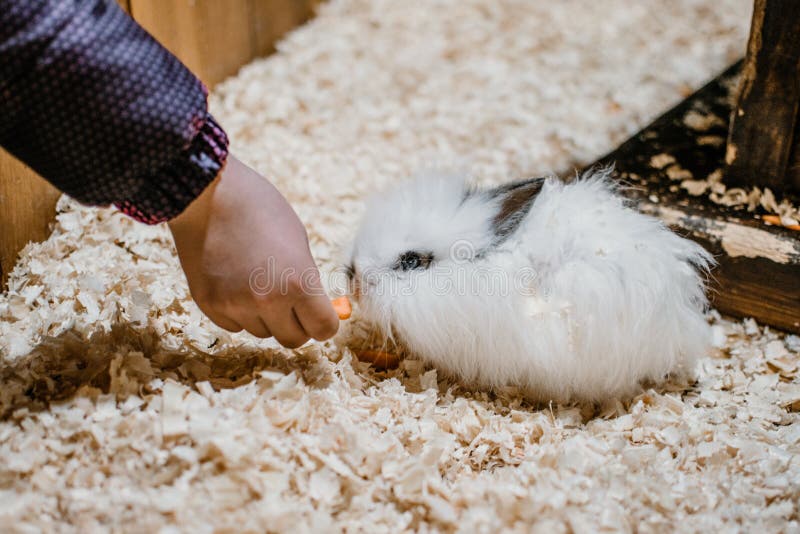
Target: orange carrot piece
column 776, row 220
column 343, row 307
column 379, row 359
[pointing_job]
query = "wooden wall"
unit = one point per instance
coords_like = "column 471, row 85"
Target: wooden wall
column 27, row 207
column 214, row 38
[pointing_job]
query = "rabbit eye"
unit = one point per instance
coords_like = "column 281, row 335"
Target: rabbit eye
column 413, row 260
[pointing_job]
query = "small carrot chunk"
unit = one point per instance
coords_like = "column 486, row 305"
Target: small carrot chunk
column 379, row 359
column 343, row 307
column 776, row 220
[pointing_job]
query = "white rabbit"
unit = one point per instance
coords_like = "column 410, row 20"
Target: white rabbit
column 557, row 288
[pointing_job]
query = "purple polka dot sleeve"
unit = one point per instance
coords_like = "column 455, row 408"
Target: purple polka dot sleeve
column 95, row 105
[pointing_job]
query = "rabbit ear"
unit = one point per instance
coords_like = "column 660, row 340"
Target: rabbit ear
column 514, row 199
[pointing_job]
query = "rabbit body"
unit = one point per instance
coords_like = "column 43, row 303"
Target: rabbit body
column 560, row 289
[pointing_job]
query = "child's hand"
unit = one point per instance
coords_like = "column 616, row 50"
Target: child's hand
column 246, row 257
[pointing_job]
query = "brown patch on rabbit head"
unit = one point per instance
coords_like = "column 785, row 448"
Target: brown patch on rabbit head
column 516, row 200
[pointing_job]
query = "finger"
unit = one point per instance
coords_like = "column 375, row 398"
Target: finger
column 313, row 308
column 285, row 327
column 223, row 321
column 254, row 325
column 317, row 317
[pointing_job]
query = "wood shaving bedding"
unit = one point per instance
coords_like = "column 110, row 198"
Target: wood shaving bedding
column 123, row 408
column 787, row 213
column 713, row 186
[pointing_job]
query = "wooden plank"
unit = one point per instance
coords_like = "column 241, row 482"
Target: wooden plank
column 763, row 126
column 27, row 207
column 271, row 19
column 125, row 4
column 758, row 272
column 214, row 38
column 758, row 267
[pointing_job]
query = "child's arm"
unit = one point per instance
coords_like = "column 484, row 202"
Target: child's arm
column 95, row 105
column 101, row 110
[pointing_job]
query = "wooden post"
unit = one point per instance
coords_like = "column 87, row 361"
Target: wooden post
column 793, row 172
column 762, row 145
column 214, row 38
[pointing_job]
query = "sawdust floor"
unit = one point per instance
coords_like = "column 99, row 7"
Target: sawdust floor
column 162, row 420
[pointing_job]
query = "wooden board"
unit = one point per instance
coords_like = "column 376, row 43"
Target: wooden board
column 27, row 207
column 759, row 265
column 215, row 38
column 764, row 123
column 271, row 19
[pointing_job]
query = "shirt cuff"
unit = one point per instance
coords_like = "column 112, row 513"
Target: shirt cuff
column 166, row 194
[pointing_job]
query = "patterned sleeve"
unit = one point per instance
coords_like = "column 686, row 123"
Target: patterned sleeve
column 94, row 104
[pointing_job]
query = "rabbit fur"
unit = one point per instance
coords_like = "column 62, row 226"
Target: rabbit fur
column 560, row 289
